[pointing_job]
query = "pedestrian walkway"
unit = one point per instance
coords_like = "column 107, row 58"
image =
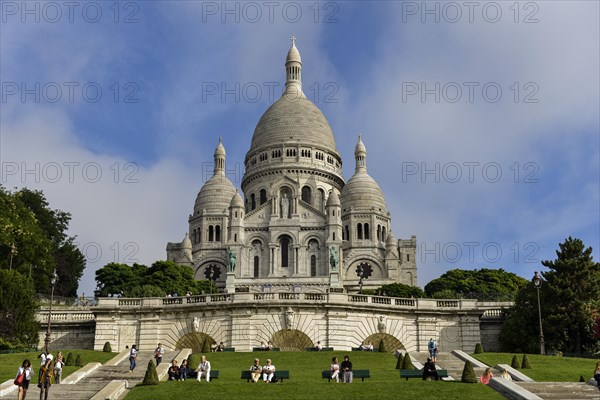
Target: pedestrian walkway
column 562, row 390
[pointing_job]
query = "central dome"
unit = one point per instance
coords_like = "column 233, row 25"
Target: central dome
column 293, row 119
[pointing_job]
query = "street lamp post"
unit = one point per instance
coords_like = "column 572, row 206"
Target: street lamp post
column 537, row 282
column 53, row 281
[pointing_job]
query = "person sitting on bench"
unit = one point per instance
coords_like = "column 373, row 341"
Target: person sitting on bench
column 255, row 370
column 429, row 370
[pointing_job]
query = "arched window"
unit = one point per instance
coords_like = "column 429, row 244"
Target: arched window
column 194, row 236
column 211, row 233
column 313, row 265
column 320, row 200
column 306, row 194
column 347, row 233
column 333, row 236
column 263, row 196
column 378, row 232
column 256, row 266
column 217, row 233
column 383, row 234
column 252, row 202
column 359, row 231
column 367, row 233
column 284, row 242
column 408, row 257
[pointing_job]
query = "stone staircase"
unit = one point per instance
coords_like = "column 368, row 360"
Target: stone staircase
column 561, row 390
column 447, row 361
column 91, row 384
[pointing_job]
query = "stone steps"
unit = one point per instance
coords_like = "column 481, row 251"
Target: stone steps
column 561, row 390
column 447, row 361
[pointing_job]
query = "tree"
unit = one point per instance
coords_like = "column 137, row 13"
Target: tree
column 116, row 278
column 400, row 290
column 70, row 361
column 400, row 361
column 574, row 282
column 468, row 374
column 78, row 361
column 569, row 299
column 492, row 282
column 525, row 364
column 478, row 348
column 17, row 309
column 407, row 362
column 151, row 376
column 107, row 348
column 39, row 236
column 515, row 362
column 381, row 347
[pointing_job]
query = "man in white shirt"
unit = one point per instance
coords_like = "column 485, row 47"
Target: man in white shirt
column 268, row 371
column 159, row 353
column 204, row 369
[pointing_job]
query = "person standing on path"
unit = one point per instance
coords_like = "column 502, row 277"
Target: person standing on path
column 58, row 365
column 46, row 378
column 27, row 370
column 433, row 349
column 132, row 357
column 159, row 353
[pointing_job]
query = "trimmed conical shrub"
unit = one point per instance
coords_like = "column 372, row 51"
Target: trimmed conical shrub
column 78, row 361
column 525, row 364
column 407, row 362
column 107, row 348
column 515, row 363
column 70, row 361
column 192, row 362
column 468, row 374
column 478, row 348
column 400, row 361
column 581, row 378
column 206, row 346
column 382, row 348
column 151, row 377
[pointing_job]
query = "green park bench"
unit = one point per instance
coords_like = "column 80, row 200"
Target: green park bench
column 261, row 349
column 358, row 373
column 214, row 374
column 229, row 349
column 322, row 349
column 281, row 375
column 418, row 373
column 375, row 349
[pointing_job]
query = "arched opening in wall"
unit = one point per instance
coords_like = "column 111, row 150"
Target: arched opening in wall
column 218, row 233
column 347, row 233
column 256, row 266
column 285, row 202
column 263, row 196
column 284, row 243
column 320, row 200
column 194, row 341
column 313, row 265
column 359, row 232
column 291, row 340
column 252, row 202
column 211, row 233
column 383, row 234
column 367, row 233
column 378, row 232
column 390, row 342
column 306, row 194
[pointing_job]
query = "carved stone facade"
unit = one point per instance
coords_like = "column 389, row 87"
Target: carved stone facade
column 297, row 210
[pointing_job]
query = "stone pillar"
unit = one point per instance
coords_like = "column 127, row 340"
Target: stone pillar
column 230, row 282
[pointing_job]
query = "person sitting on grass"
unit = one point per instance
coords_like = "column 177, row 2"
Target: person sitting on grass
column 487, row 376
column 255, row 370
column 335, row 369
column 429, row 370
column 173, row 371
column 268, row 371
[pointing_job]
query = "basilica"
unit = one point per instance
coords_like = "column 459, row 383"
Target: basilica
column 296, row 225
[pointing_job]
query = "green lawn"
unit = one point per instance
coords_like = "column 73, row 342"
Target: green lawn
column 546, row 368
column 306, row 383
column 9, row 363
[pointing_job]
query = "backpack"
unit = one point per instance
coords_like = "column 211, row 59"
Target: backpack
column 274, row 379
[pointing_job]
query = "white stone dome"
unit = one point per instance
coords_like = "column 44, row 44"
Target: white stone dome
column 293, row 119
column 186, row 243
column 215, row 196
column 236, row 200
column 362, row 193
column 333, row 199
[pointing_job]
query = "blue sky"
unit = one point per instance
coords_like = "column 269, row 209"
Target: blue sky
column 115, row 113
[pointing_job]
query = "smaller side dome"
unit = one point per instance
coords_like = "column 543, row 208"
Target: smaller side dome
column 236, row 200
column 390, row 241
column 186, row 243
column 220, row 149
column 333, row 199
column 293, row 54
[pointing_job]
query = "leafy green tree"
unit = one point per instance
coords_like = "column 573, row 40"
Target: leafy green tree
column 493, row 282
column 39, row 235
column 17, row 309
column 116, row 278
column 400, row 290
column 569, row 299
column 468, row 374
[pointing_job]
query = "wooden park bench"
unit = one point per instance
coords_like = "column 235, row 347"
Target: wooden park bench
column 375, row 349
column 261, row 349
column 281, row 375
column 322, row 349
column 214, row 374
column 358, row 373
column 418, row 373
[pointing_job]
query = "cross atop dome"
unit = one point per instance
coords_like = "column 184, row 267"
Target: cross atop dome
column 293, row 40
